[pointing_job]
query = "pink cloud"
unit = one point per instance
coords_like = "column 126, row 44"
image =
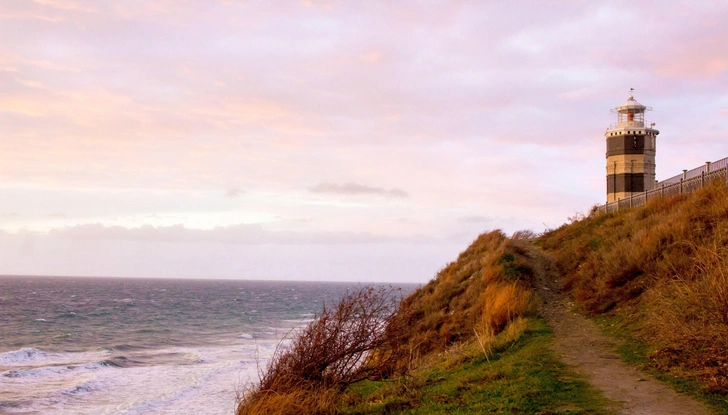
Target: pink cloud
column 457, row 101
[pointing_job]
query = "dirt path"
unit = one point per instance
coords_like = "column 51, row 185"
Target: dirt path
column 582, row 346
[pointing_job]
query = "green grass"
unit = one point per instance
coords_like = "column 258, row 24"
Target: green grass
column 637, row 353
column 522, row 376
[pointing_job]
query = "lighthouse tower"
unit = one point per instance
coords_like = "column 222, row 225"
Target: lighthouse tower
column 630, row 151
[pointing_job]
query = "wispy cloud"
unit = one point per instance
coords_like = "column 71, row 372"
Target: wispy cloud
column 234, row 193
column 356, row 189
column 476, row 219
column 237, row 234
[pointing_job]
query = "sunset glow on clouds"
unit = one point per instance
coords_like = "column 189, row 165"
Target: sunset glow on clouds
column 241, row 139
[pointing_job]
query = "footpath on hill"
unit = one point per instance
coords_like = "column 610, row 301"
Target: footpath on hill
column 581, row 345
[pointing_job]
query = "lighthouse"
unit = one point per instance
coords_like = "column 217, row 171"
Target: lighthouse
column 630, row 151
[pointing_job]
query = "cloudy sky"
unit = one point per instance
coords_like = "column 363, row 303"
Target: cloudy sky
column 324, row 140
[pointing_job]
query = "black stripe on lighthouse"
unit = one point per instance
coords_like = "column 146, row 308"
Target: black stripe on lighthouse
column 625, row 144
column 626, row 182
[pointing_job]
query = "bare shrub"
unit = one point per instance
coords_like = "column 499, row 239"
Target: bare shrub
column 330, row 353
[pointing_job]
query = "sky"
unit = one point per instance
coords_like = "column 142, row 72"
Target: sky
column 322, row 140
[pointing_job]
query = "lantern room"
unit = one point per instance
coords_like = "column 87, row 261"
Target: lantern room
column 631, row 114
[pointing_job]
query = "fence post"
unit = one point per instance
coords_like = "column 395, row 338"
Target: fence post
column 681, row 182
column 662, row 191
column 707, row 166
column 702, row 180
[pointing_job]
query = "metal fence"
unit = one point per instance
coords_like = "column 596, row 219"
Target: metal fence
column 696, row 172
column 685, row 183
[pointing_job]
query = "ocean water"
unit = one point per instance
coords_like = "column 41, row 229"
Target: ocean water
column 143, row 346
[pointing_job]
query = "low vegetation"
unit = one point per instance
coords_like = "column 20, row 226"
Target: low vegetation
column 477, row 296
column 662, row 272
column 306, row 374
column 519, row 374
column 470, row 338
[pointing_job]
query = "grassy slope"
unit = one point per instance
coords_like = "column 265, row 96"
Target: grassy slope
column 521, row 375
column 657, row 278
column 471, row 342
column 478, row 345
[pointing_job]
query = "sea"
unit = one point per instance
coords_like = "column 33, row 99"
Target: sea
column 73, row 345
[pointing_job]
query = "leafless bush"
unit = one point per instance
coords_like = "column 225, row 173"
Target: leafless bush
column 331, row 352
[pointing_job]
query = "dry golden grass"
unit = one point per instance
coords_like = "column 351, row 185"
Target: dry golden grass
column 293, row 402
column 475, row 297
column 665, row 267
column 488, row 286
column 502, row 302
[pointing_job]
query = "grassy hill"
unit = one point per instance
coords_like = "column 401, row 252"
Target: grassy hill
column 471, row 340
column 661, row 273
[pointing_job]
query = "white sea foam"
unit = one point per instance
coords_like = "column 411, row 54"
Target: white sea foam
column 207, row 386
column 38, row 372
column 25, row 354
column 30, row 357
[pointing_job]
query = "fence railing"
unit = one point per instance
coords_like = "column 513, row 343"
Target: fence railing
column 689, row 174
column 685, row 183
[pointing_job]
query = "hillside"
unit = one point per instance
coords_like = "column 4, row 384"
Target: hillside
column 661, row 273
column 474, row 340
